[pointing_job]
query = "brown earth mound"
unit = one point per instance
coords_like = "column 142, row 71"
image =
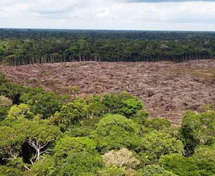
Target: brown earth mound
column 167, row 89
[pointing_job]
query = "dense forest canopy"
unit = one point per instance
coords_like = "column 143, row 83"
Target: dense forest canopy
column 42, row 133
column 103, row 34
column 28, row 46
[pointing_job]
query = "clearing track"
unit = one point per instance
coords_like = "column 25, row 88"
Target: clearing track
column 167, row 89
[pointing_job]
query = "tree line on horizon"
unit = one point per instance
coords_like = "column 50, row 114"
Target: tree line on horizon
column 20, row 47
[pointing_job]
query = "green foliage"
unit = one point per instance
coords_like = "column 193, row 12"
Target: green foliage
column 5, row 104
column 16, row 162
column 2, row 79
column 10, row 171
column 115, row 132
column 173, row 131
column 39, row 131
column 154, row 170
column 1, row 52
column 182, row 166
column 208, row 127
column 190, row 129
column 197, row 129
column 20, row 47
column 37, row 137
column 10, row 142
column 19, row 112
column 158, row 124
column 80, row 131
column 41, row 102
column 125, row 104
column 131, row 106
column 156, row 144
column 81, row 164
column 67, row 145
column 37, row 134
column 199, row 164
column 10, row 90
column 42, row 168
column 77, row 155
column 96, row 106
column 84, row 110
column 151, row 170
column 3, row 112
column 111, row 171
column 70, row 114
column 204, row 158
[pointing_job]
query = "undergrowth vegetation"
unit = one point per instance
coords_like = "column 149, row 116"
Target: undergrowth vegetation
column 42, row 133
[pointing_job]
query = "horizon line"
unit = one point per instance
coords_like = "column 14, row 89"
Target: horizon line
column 89, row 29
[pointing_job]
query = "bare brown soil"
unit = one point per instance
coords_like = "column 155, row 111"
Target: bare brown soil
column 167, row 89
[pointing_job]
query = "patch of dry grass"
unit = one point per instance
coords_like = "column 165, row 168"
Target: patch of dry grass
column 203, row 73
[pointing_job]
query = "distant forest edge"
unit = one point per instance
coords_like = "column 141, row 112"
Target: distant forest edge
column 29, row 46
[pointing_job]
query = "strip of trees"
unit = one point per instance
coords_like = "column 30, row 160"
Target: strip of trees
column 101, row 46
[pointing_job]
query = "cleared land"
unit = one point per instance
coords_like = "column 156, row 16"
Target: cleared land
column 167, row 89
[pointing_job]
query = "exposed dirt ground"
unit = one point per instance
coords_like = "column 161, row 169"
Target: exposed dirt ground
column 167, row 89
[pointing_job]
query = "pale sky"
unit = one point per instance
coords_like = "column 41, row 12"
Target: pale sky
column 109, row 14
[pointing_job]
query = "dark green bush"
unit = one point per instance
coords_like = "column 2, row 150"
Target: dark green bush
column 41, row 102
column 115, row 132
column 179, row 165
column 76, row 156
column 197, row 129
column 10, row 90
column 10, row 171
column 126, row 105
column 204, row 158
column 156, row 144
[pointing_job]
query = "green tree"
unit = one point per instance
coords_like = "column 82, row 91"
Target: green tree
column 190, row 129
column 5, row 104
column 76, row 156
column 158, row 124
column 81, row 164
column 10, row 143
column 42, row 168
column 208, row 127
column 179, row 165
column 125, row 104
column 10, row 90
column 70, row 114
column 155, row 170
column 115, row 132
column 19, row 112
column 156, row 144
column 197, row 129
column 111, row 171
column 204, row 158
column 41, row 102
column 67, row 145
column 1, row 53
column 39, row 135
